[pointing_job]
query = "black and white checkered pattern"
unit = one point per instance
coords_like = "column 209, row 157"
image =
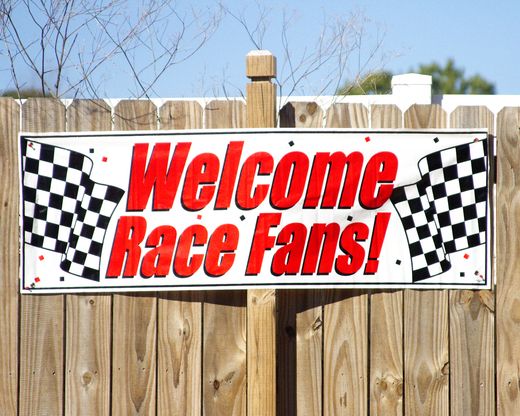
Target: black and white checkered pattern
column 64, row 210
column 445, row 211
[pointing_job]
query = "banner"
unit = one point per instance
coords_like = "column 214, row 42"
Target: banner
column 214, row 209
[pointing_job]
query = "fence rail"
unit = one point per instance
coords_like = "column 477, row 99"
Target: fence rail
column 338, row 352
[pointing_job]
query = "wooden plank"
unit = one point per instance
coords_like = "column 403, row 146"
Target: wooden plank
column 224, row 367
column 179, row 353
column 302, row 312
column 309, row 352
column 385, row 116
column 347, row 115
column 134, row 316
column 224, row 337
column 424, row 116
column 286, row 352
column 180, row 115
column 426, row 352
column 508, row 263
column 301, row 114
column 42, row 317
column 472, row 320
column 386, row 319
column 179, row 338
column 223, row 114
column 89, row 317
column 300, row 352
column 9, row 283
column 345, row 355
column 261, row 303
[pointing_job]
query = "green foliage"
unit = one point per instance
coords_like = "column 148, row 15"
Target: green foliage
column 450, row 80
column 23, row 93
column 376, row 83
column 447, row 79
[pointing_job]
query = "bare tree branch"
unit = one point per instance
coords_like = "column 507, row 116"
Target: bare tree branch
column 66, row 43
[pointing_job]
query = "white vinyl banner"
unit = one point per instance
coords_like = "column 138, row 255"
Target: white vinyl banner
column 235, row 209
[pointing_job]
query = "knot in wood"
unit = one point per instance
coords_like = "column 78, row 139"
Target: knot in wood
column 311, row 108
column 216, row 384
column 87, row 378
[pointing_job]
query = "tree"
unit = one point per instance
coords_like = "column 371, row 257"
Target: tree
column 450, row 80
column 377, row 83
column 447, row 79
column 341, row 46
column 65, row 43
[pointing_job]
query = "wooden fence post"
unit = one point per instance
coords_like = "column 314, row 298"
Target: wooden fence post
column 261, row 303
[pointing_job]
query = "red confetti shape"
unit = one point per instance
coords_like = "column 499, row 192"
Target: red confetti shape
column 367, row 139
column 37, row 279
column 466, row 256
column 104, row 159
column 41, row 258
column 199, row 217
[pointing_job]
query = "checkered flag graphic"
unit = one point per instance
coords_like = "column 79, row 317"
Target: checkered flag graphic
column 64, row 210
column 445, row 211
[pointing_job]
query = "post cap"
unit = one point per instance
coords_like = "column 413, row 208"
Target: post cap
column 260, row 64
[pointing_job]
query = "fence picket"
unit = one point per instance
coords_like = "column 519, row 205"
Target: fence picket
column 179, row 360
column 89, row 317
column 472, row 320
column 224, row 344
column 134, row 316
column 386, row 318
column 9, row 298
column 508, row 258
column 301, row 114
column 426, row 355
column 42, row 316
column 346, row 319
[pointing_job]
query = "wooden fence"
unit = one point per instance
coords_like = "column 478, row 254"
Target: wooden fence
column 260, row 352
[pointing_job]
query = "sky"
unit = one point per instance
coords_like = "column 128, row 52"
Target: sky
column 481, row 36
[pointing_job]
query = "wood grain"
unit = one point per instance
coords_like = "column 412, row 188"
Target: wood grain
column 134, row 355
column 424, row 116
column 87, row 379
column 426, row 352
column 301, row 114
column 179, row 354
column 224, row 367
column 225, row 324
column 42, row 316
column 309, row 353
column 386, row 319
column 345, row 352
column 179, row 338
column 180, row 115
column 134, row 352
column 347, row 115
column 223, row 114
column 508, row 263
column 286, row 351
column 302, row 343
column 472, row 320
column 261, row 303
column 89, row 317
column 9, row 283
column 385, row 116
column 261, row 104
